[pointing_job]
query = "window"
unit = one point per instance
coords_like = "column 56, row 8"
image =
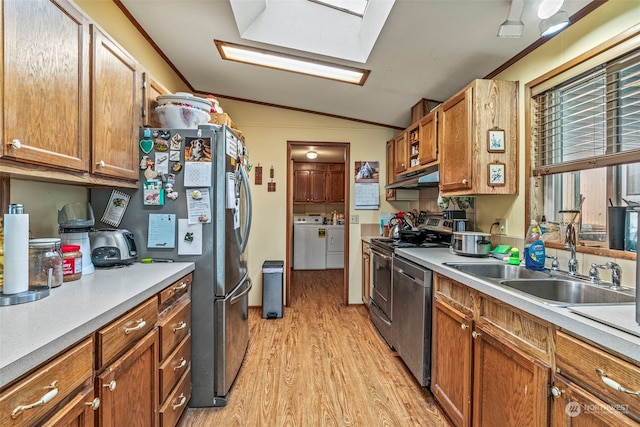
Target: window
column 585, row 141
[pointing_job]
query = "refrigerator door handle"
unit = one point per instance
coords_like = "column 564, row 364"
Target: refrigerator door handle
column 244, row 238
column 236, row 298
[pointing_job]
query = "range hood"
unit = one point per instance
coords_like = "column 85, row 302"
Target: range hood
column 428, row 177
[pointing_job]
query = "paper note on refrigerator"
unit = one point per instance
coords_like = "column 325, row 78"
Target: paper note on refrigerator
column 189, row 238
column 162, row 231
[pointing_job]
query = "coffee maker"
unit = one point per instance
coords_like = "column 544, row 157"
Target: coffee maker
column 76, row 220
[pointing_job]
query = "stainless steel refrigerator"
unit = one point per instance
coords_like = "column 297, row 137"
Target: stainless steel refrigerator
column 221, row 284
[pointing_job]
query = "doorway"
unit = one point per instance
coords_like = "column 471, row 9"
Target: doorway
column 327, row 153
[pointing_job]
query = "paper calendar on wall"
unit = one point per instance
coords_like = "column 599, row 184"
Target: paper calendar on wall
column 367, row 188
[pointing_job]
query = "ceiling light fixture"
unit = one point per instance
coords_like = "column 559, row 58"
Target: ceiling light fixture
column 295, row 64
column 513, row 26
column 554, row 23
column 548, row 8
column 311, row 155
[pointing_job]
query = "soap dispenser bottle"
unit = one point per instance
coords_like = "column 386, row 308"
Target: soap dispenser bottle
column 534, row 253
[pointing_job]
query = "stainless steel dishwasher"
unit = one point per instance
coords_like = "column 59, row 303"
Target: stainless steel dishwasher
column 411, row 326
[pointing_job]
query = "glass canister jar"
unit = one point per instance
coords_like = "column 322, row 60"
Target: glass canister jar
column 45, row 264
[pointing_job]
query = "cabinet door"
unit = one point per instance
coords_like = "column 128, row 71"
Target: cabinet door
column 116, row 110
column 390, row 194
column 400, row 153
column 45, row 84
column 301, row 183
column 510, row 387
column 573, row 406
column 428, row 151
column 335, row 184
column 78, row 412
column 130, row 386
column 317, row 186
column 151, row 89
column 451, row 366
column 456, row 125
column 366, row 273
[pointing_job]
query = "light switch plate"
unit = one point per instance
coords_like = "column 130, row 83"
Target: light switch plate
column 355, row 219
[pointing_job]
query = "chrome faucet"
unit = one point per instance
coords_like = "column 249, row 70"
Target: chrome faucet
column 616, row 274
column 570, row 242
column 554, row 262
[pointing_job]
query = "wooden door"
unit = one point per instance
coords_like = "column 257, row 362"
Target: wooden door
column 366, row 273
column 117, row 110
column 455, row 133
column 574, row 407
column 510, row 387
column 79, row 412
column 451, row 362
column 335, row 183
column 428, row 151
column 130, row 386
column 45, row 84
column 391, row 173
column 301, row 183
column 317, row 191
column 400, row 153
column 151, row 89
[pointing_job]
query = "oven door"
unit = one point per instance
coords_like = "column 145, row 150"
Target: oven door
column 380, row 306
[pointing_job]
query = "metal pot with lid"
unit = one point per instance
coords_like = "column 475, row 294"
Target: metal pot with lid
column 470, row 243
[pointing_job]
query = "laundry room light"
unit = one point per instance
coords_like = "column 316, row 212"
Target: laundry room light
column 312, row 155
column 295, row 64
column 554, row 23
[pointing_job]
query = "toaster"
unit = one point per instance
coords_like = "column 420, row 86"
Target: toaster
column 111, row 247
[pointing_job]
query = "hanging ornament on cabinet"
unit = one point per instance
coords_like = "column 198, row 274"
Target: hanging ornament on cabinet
column 258, row 174
column 271, row 186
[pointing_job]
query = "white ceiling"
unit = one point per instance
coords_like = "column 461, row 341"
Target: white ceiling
column 426, row 49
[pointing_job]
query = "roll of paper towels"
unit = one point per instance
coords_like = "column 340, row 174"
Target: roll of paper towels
column 16, row 253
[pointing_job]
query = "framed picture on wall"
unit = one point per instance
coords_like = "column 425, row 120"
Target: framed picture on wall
column 495, row 174
column 495, row 141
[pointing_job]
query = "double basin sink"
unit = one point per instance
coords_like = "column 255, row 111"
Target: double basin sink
column 552, row 287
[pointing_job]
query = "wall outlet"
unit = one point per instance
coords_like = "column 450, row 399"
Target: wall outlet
column 355, row 219
column 502, row 225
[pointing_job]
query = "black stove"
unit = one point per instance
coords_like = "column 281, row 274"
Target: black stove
column 432, row 241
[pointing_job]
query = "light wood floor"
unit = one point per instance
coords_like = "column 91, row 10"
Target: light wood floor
column 322, row 364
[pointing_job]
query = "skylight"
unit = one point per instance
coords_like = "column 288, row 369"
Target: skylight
column 354, row 7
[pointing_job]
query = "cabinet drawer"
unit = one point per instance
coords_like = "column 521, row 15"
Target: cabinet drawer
column 174, row 325
column 586, row 365
column 176, row 403
column 54, row 380
column 129, row 328
column 176, row 364
column 176, row 289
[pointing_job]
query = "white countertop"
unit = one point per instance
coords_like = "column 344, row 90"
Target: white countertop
column 614, row 338
column 33, row 332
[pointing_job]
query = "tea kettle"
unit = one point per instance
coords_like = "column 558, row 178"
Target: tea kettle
column 397, row 223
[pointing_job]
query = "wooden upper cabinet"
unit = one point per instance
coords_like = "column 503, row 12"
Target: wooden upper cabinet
column 117, row 109
column 428, row 150
column 464, row 123
column 400, row 153
column 151, row 89
column 456, row 124
column 335, row 183
column 45, row 86
column 317, row 186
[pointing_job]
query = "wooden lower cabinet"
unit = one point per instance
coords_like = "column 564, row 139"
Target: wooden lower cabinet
column 573, row 407
column 482, row 371
column 509, row 386
column 366, row 273
column 451, row 376
column 128, row 387
column 79, row 412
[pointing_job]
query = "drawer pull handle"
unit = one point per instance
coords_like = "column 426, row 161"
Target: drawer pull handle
column 48, row 397
column 16, row 144
column 614, row 384
column 111, row 386
column 180, row 326
column 180, row 287
column 95, row 403
column 183, row 400
column 141, row 324
column 182, row 364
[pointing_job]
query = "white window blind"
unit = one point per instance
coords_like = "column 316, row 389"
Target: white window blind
column 591, row 120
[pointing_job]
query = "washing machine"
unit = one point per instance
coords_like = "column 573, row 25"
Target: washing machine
column 309, row 243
